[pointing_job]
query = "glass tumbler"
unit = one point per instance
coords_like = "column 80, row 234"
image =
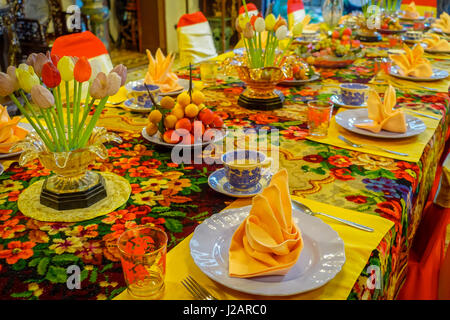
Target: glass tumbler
column 319, row 114
column 143, row 255
column 208, row 72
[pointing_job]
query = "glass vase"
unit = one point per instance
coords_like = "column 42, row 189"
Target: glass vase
column 332, row 12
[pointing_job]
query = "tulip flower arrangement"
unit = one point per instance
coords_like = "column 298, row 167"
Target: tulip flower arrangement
column 252, row 29
column 42, row 76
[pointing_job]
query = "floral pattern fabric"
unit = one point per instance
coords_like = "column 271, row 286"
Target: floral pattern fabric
column 35, row 256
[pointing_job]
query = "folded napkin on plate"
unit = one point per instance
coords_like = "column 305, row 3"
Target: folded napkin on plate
column 411, row 11
column 382, row 114
column 9, row 131
column 159, row 72
column 268, row 242
column 412, row 63
column 443, row 22
column 436, row 43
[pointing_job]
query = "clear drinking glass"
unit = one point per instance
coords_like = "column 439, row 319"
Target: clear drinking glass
column 143, row 254
column 208, row 72
column 319, row 114
column 332, row 12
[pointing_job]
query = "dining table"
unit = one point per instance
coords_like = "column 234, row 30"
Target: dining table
column 365, row 185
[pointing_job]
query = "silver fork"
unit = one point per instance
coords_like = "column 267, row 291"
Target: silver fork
column 355, row 145
column 196, row 289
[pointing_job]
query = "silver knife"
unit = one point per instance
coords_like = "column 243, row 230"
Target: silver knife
column 355, row 145
column 424, row 115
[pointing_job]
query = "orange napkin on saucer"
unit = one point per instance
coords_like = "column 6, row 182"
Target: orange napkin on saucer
column 411, row 11
column 443, row 22
column 436, row 43
column 412, row 63
column 382, row 114
column 10, row 133
column 159, row 72
column 268, row 242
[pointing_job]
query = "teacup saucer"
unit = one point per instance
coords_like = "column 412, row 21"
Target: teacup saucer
column 218, row 182
column 336, row 99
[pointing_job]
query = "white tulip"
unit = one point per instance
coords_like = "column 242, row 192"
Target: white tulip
column 281, row 33
column 260, row 25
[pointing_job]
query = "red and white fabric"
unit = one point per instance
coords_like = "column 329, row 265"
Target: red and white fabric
column 251, row 8
column 296, row 12
column 195, row 40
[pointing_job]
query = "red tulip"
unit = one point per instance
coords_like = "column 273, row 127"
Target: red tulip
column 252, row 20
column 50, row 75
column 82, row 70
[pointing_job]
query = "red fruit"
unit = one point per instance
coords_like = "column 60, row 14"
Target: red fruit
column 356, row 43
column 217, row 122
column 183, row 124
column 209, row 135
column 206, row 116
column 295, row 68
column 188, row 139
column 347, row 32
column 345, row 42
column 345, row 37
column 198, row 129
column 335, row 34
column 385, row 26
column 170, row 136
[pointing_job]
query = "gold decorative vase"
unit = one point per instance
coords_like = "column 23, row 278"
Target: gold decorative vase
column 72, row 186
column 260, row 92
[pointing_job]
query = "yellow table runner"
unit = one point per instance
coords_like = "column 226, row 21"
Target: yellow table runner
column 413, row 146
column 358, row 247
column 435, row 86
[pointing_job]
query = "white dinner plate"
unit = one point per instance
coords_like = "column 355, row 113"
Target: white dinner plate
column 25, row 126
column 321, row 259
column 438, row 74
column 347, row 119
column 157, row 139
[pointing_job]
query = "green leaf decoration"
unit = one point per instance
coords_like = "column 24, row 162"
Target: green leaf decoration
column 42, row 266
column 65, row 258
column 56, row 274
column 25, row 294
column 173, row 225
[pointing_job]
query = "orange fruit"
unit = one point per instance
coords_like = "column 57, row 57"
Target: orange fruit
column 198, row 129
column 183, row 124
column 217, row 122
column 167, row 102
column 184, row 99
column 206, row 116
column 178, row 112
column 198, row 97
column 151, row 129
column 170, row 136
column 170, row 121
column 155, row 116
column 188, row 139
column 191, row 111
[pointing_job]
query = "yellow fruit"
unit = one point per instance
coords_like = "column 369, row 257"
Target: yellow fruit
column 191, row 111
column 170, row 121
column 167, row 102
column 178, row 111
column 198, row 97
column 310, row 60
column 155, row 116
column 184, row 99
column 151, row 129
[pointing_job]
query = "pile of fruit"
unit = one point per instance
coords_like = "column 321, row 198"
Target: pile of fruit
column 301, row 70
column 390, row 23
column 340, row 44
column 186, row 119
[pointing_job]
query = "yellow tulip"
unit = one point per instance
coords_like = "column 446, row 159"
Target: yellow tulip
column 243, row 20
column 26, row 77
column 270, row 22
column 65, row 67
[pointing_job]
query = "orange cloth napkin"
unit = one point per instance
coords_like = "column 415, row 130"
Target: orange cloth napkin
column 436, row 43
column 443, row 22
column 411, row 11
column 267, row 242
column 159, row 72
column 382, row 114
column 413, row 63
column 10, row 133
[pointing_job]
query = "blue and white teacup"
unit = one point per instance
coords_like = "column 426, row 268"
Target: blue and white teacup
column 414, row 34
column 138, row 91
column 354, row 94
column 244, row 168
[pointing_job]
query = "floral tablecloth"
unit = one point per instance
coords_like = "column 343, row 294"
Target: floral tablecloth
column 34, row 256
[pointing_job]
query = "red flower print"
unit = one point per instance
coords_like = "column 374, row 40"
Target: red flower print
column 13, row 196
column 294, row 133
column 9, row 228
column 17, row 250
column 339, row 161
column 153, row 221
column 222, row 114
column 261, row 118
column 237, row 122
column 357, row 199
column 390, row 209
column 341, row 174
column 313, row 158
column 120, row 217
column 5, row 214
